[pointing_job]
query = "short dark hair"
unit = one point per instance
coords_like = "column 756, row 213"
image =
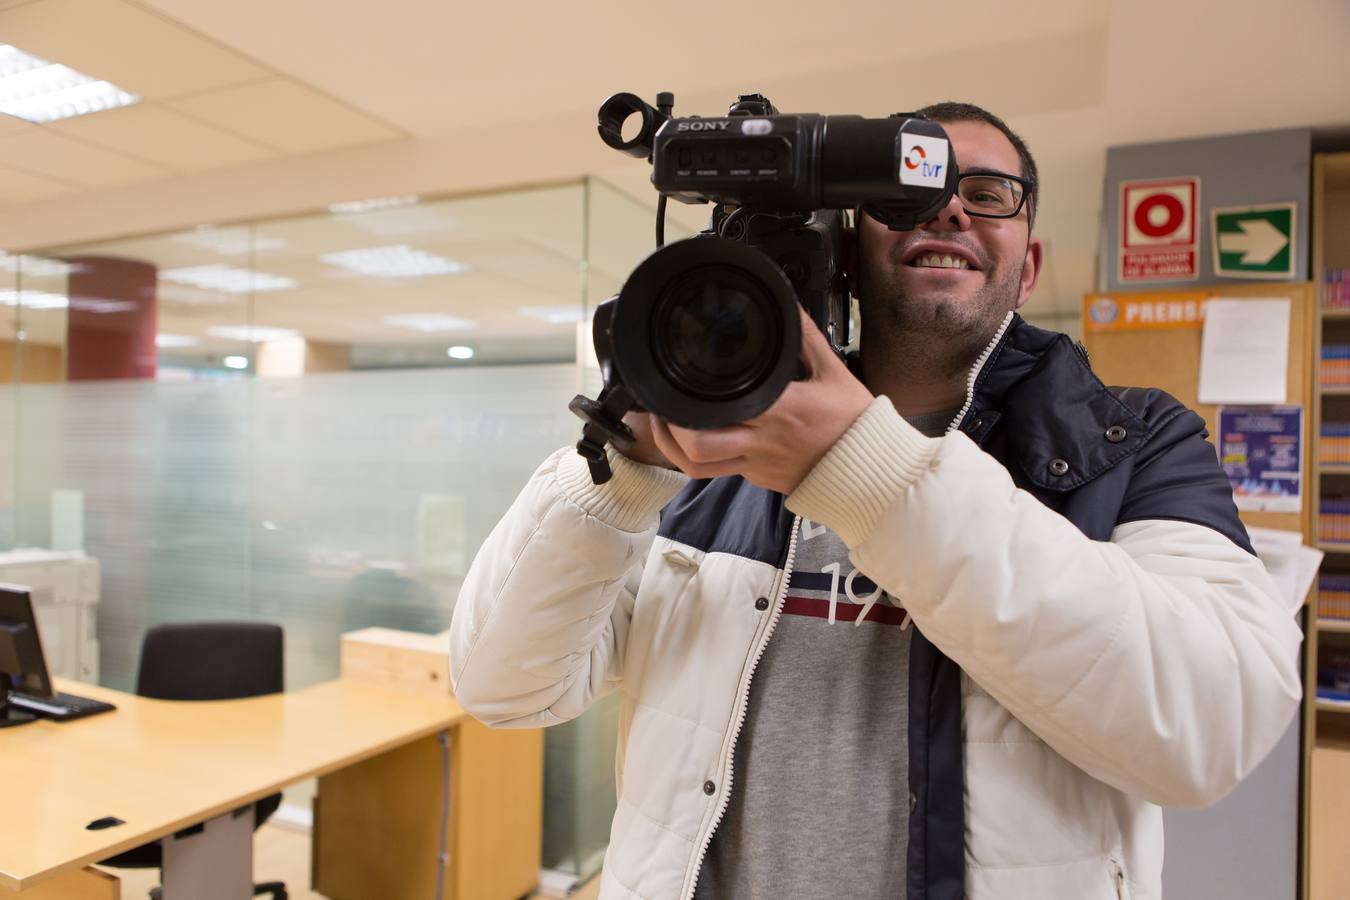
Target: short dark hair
column 949, row 111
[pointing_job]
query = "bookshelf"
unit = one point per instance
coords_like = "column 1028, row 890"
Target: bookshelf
column 1327, row 721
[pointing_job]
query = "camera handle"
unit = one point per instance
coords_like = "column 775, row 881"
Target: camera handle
column 604, row 424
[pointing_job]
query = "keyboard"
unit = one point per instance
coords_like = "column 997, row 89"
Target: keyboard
column 59, row 706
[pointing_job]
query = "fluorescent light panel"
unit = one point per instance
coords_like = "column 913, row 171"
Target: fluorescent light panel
column 228, row 279
column 397, row 261
column 430, row 322
column 555, row 315
column 39, row 91
column 49, row 300
column 229, row 241
column 35, row 266
column 460, row 352
column 360, row 206
column 33, row 299
column 429, row 222
column 254, row 334
column 101, row 304
column 165, row 340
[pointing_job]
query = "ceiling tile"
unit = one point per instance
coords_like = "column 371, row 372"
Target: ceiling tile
column 46, row 153
column 285, row 115
column 163, row 136
column 10, row 124
column 140, row 51
column 21, row 187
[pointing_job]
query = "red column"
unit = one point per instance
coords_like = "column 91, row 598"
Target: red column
column 111, row 323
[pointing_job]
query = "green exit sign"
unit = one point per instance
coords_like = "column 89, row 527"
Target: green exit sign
column 1254, row 241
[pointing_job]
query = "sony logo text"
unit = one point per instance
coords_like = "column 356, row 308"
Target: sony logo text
column 703, row 125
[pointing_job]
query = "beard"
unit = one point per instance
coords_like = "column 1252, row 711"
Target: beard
column 931, row 334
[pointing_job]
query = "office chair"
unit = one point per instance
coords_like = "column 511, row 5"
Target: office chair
column 208, row 661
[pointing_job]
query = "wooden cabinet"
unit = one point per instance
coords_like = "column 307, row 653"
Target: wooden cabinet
column 378, row 824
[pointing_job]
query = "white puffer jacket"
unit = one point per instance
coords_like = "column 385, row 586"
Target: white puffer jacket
column 1104, row 669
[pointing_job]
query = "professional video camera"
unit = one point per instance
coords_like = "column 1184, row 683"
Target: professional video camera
column 705, row 332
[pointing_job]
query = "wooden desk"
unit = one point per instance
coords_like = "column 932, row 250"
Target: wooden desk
column 161, row 766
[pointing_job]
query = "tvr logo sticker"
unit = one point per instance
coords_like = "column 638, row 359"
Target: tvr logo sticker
column 923, row 160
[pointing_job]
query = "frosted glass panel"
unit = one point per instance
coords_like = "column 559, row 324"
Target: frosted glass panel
column 355, row 490
column 323, row 503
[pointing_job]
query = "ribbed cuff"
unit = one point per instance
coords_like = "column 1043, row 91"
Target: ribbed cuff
column 874, row 462
column 630, row 500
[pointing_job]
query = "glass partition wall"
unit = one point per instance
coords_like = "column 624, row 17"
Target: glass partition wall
column 313, row 421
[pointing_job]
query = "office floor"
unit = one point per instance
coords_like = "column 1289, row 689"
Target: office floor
column 278, row 854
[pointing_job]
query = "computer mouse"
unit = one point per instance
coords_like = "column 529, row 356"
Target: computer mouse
column 105, row 822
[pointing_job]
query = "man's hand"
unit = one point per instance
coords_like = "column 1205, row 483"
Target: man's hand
column 776, row 449
column 645, row 449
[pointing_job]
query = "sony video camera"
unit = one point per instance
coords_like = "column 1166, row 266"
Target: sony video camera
column 705, row 332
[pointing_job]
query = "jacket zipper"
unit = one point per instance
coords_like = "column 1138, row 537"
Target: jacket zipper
column 742, row 704
column 975, row 372
column 1122, row 891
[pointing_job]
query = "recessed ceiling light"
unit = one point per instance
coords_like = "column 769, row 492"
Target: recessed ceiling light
column 174, row 340
column 33, row 299
column 556, row 315
column 228, row 279
column 398, row 261
column 235, row 362
column 35, row 266
column 430, row 322
column 460, row 352
column 255, row 334
column 360, row 206
column 39, row 91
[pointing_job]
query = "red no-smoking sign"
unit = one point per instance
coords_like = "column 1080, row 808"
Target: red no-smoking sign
column 1158, row 232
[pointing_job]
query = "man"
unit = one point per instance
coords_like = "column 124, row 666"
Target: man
column 1091, row 634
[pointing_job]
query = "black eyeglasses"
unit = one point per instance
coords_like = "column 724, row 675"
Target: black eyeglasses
column 992, row 195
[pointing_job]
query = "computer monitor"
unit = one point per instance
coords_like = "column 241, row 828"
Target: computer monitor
column 23, row 667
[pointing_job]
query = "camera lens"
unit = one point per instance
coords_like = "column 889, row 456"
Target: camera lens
column 716, row 332
column 706, row 332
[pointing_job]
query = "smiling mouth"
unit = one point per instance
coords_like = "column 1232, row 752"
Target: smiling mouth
column 938, row 261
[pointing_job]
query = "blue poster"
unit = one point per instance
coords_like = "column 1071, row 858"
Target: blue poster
column 1260, row 450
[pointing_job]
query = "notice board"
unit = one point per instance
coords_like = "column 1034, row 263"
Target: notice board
column 1152, row 339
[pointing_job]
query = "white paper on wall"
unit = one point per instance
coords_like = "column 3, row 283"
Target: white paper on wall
column 1244, row 356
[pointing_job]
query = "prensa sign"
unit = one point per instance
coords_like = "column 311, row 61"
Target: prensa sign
column 1144, row 312
column 1158, row 233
